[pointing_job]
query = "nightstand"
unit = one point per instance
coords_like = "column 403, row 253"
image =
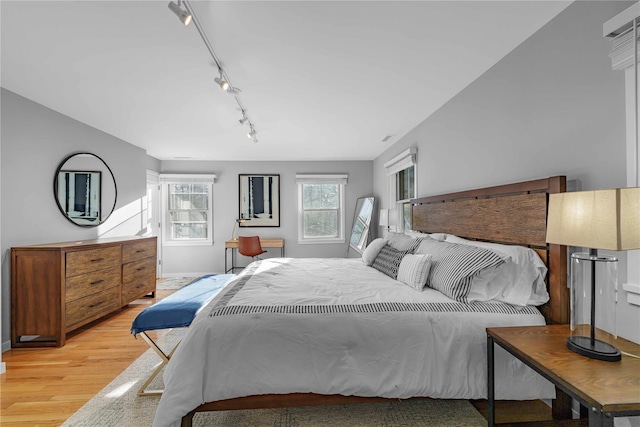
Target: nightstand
column 606, row 389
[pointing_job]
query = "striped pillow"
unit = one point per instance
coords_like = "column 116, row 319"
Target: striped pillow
column 453, row 266
column 388, row 261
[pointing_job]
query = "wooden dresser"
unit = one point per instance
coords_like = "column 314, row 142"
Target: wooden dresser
column 59, row 287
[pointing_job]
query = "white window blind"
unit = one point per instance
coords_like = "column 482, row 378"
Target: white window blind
column 621, row 53
column 321, row 178
column 402, row 161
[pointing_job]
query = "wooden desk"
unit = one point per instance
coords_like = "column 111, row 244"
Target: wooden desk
column 605, row 389
column 233, row 245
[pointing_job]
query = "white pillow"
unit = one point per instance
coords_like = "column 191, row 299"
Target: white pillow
column 371, row 251
column 519, row 281
column 419, row 234
column 400, row 241
column 414, row 271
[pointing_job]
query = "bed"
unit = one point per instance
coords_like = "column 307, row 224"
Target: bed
column 299, row 332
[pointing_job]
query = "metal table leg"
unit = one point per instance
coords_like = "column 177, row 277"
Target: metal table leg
column 491, row 408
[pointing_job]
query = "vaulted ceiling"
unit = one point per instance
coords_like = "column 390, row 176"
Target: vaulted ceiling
column 320, row 80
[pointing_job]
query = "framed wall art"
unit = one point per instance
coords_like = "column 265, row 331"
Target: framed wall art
column 259, row 200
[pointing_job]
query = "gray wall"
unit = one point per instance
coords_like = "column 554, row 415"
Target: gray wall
column 179, row 260
column 35, row 140
column 553, row 106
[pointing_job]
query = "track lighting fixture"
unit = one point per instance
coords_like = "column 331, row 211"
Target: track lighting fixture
column 187, row 15
column 184, row 16
column 224, row 84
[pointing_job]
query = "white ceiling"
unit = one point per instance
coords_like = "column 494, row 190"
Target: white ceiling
column 321, row 80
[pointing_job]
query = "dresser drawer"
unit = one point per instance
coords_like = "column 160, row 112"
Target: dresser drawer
column 91, row 283
column 138, row 279
column 91, row 306
column 138, row 250
column 80, row 262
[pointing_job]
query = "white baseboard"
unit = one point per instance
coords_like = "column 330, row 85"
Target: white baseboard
column 3, row 368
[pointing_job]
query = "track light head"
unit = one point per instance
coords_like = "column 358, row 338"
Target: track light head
column 243, row 120
column 251, row 134
column 222, row 82
column 184, row 16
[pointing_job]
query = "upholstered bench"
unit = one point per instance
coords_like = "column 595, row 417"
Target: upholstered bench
column 176, row 311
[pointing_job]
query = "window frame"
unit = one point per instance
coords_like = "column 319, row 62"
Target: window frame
column 165, row 182
column 311, row 179
column 394, row 168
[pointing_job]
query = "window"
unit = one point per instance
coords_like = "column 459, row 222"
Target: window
column 405, row 184
column 321, row 208
column 623, row 58
column 188, row 206
column 401, row 171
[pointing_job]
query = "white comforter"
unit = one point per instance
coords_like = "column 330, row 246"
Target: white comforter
column 336, row 326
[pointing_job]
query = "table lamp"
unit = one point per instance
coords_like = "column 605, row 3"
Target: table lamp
column 235, row 224
column 387, row 219
column 601, row 219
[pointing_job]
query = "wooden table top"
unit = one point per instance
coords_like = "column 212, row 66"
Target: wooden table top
column 607, row 386
column 265, row 243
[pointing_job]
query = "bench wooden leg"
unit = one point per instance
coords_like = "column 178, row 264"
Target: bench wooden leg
column 165, row 359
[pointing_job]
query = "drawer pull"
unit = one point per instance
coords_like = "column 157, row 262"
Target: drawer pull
column 97, row 260
column 97, row 282
column 96, row 304
column 140, row 250
column 141, row 268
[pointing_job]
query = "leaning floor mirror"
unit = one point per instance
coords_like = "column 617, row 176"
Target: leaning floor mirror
column 361, row 230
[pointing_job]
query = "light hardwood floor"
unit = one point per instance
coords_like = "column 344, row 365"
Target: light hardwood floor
column 43, row 387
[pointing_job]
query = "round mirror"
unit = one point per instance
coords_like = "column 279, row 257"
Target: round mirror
column 85, row 189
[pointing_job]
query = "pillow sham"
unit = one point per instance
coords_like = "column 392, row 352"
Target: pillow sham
column 520, row 281
column 419, row 235
column 401, row 241
column 454, row 266
column 414, row 270
column 388, row 261
column 371, row 251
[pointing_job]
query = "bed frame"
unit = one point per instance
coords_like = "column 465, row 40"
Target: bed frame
column 511, row 214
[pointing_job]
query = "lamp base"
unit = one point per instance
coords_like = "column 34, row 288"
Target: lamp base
column 596, row 350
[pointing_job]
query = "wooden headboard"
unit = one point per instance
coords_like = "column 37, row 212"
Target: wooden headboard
column 509, row 214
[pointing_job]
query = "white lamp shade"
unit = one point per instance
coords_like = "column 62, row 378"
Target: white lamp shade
column 388, row 217
column 600, row 219
column 384, row 217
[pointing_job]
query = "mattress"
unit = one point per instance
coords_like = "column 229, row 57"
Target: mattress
column 337, row 326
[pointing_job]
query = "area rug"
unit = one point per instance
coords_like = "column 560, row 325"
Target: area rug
column 118, row 405
column 170, row 283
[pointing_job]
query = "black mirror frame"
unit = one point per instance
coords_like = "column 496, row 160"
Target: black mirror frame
column 55, row 190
